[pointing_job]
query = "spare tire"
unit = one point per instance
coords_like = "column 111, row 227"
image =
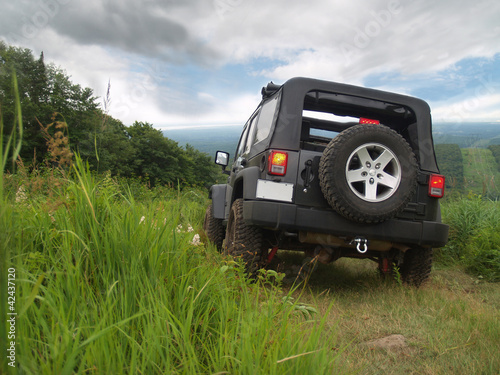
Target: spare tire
column 368, row 173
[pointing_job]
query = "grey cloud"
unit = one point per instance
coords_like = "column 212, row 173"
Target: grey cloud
column 150, row 27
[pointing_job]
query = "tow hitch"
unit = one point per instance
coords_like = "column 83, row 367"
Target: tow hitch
column 361, row 244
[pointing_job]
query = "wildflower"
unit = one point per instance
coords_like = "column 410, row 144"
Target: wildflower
column 21, row 194
column 196, row 240
column 142, row 219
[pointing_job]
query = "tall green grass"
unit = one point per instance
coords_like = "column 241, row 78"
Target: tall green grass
column 474, row 238
column 107, row 284
column 10, row 146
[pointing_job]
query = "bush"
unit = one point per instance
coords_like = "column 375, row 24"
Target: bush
column 474, row 239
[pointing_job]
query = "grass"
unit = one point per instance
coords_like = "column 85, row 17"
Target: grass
column 451, row 324
column 481, row 174
column 474, row 240
column 107, row 284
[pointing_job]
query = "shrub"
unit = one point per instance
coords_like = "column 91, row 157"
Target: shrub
column 474, row 239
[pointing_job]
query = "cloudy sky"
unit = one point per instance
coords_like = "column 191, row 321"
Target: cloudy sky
column 202, row 62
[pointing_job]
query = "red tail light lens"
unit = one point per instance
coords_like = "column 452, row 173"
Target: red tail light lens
column 363, row 120
column 277, row 163
column 436, row 186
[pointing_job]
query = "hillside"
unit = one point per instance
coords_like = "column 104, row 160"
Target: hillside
column 210, row 139
column 207, row 139
column 481, row 173
column 467, row 134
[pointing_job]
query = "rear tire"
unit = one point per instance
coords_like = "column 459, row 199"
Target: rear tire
column 213, row 228
column 417, row 265
column 244, row 241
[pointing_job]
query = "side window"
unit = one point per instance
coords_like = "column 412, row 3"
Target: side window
column 251, row 133
column 266, row 120
column 247, row 135
column 241, row 144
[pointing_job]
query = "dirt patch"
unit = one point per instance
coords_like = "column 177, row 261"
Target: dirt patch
column 392, row 343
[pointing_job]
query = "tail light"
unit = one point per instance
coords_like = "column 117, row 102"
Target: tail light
column 436, row 186
column 363, row 120
column 277, row 162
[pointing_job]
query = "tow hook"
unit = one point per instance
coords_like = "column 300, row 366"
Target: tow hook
column 361, row 244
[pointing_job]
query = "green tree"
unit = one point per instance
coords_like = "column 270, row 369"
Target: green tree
column 43, row 90
column 155, row 156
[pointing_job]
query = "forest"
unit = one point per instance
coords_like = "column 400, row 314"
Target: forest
column 58, row 112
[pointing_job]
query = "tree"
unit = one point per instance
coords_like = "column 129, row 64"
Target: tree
column 47, row 95
column 43, row 90
column 156, row 156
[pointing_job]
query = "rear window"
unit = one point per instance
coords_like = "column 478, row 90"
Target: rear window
column 326, row 114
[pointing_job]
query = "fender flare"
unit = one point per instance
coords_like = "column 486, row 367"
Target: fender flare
column 218, row 196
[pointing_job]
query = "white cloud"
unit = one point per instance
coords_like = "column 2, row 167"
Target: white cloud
column 149, row 49
column 475, row 108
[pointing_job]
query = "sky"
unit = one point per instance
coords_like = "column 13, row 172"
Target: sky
column 181, row 63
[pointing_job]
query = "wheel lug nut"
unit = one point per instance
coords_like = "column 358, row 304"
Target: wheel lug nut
column 368, row 164
column 372, row 181
column 377, row 166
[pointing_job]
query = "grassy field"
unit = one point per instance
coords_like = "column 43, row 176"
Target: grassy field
column 451, row 324
column 110, row 279
column 108, row 284
column 481, row 174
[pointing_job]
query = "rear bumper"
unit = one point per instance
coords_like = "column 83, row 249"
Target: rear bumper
column 284, row 216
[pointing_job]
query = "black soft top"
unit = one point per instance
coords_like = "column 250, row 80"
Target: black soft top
column 407, row 115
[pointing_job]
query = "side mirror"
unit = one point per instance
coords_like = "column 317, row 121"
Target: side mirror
column 222, row 158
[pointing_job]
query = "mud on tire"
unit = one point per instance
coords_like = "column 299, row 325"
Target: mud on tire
column 213, row 228
column 368, row 173
column 243, row 241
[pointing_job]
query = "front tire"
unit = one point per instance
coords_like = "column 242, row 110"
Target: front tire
column 213, row 228
column 244, row 241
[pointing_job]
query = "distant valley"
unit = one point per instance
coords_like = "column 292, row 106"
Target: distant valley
column 212, row 139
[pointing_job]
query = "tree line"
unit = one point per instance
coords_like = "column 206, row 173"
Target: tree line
column 48, row 97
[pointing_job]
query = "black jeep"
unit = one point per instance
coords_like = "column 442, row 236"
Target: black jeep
column 336, row 171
